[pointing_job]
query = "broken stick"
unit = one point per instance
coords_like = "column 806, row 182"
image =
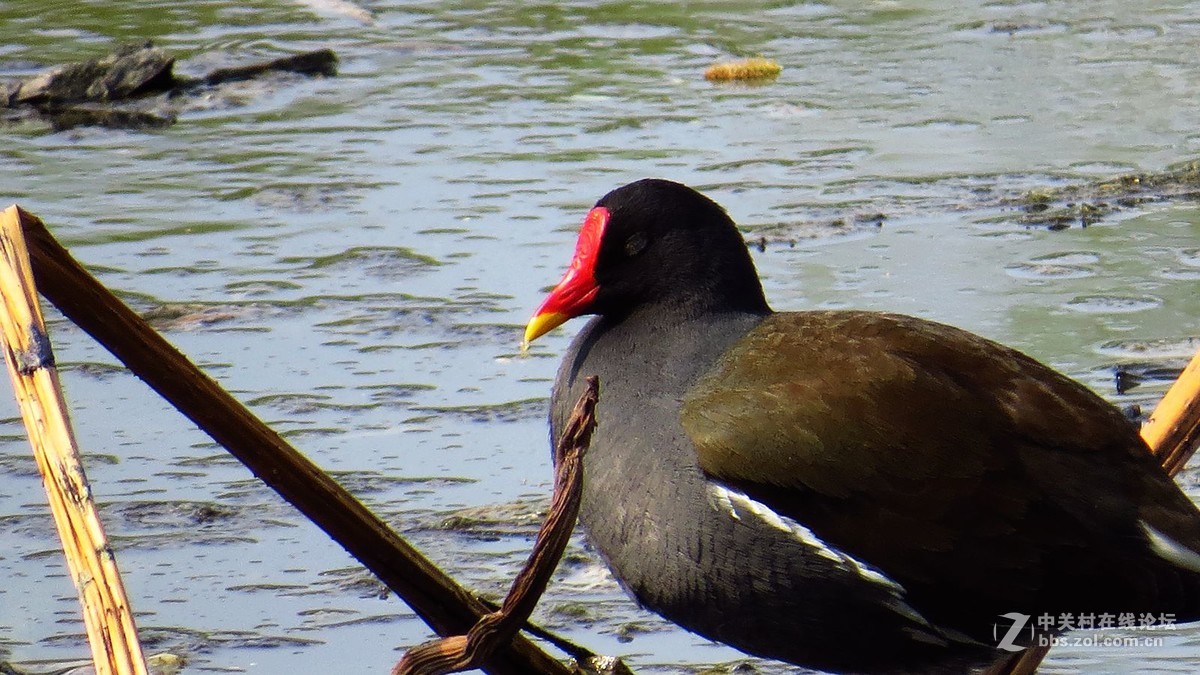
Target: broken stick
column 461, row 652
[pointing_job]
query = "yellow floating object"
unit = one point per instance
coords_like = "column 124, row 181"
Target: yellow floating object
column 747, row 69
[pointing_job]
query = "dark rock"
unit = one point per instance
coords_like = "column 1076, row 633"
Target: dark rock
column 130, row 71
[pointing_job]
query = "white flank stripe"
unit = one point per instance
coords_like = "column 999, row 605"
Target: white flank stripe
column 1170, row 550
column 719, row 497
column 737, row 504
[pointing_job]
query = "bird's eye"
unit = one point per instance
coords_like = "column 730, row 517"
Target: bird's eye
column 635, row 244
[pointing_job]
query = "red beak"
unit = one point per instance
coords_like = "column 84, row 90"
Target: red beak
column 575, row 293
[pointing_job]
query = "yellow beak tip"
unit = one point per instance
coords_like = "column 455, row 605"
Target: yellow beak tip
column 541, row 324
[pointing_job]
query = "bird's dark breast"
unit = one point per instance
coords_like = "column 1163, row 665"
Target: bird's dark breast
column 708, row 560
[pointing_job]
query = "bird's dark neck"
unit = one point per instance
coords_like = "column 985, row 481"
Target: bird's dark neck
column 662, row 347
column 692, row 311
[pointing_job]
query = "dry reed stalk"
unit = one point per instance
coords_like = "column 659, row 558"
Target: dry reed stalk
column 109, row 622
column 1173, row 431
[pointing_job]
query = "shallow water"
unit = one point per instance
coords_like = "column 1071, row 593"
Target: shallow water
column 354, row 258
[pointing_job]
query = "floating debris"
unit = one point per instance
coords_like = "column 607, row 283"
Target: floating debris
column 1058, row 208
column 748, row 69
column 158, row 664
column 343, row 8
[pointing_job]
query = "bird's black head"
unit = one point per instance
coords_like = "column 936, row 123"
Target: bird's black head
column 654, row 242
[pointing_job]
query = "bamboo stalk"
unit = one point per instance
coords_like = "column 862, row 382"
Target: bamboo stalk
column 107, row 618
column 1173, row 436
column 443, row 604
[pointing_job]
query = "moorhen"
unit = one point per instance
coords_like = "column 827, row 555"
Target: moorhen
column 844, row 490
